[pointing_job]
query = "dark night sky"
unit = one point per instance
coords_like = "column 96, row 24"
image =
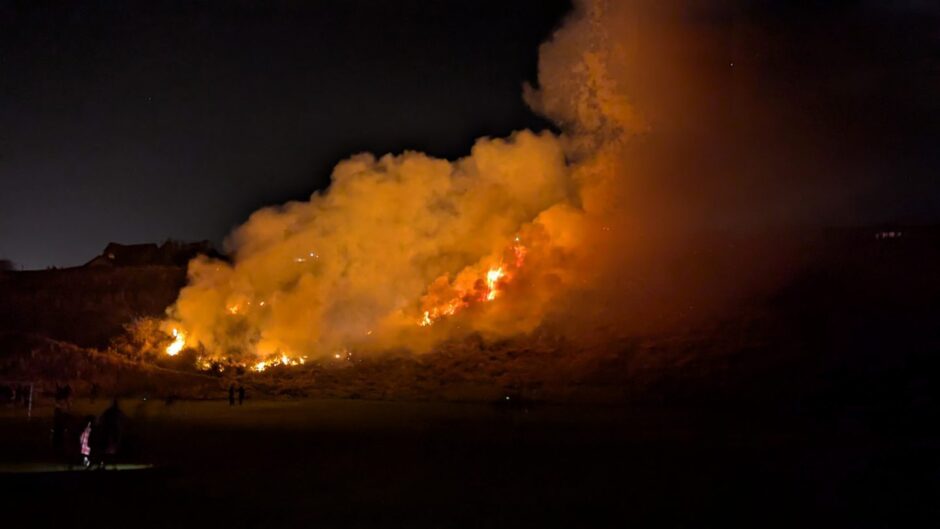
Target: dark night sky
column 139, row 121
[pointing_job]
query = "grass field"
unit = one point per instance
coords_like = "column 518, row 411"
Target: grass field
column 355, row 463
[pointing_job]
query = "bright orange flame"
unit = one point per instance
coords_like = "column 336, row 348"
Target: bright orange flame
column 179, row 341
column 491, row 284
column 447, row 309
column 492, row 278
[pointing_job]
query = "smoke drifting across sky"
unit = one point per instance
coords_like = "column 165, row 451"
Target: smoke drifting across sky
column 676, row 123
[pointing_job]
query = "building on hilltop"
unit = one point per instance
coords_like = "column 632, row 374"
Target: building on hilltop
column 170, row 253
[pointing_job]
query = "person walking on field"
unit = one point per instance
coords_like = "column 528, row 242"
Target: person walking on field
column 231, row 394
column 108, row 434
column 85, row 442
column 241, row 394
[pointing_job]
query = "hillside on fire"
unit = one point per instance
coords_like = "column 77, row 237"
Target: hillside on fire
column 850, row 301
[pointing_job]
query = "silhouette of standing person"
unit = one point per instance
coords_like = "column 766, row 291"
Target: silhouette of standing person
column 84, row 441
column 231, row 395
column 107, row 441
column 241, row 394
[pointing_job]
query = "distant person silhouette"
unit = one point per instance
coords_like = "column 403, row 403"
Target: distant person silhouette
column 231, row 395
column 107, row 440
column 241, row 394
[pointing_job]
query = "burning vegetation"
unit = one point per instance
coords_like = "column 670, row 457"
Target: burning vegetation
column 403, row 252
column 446, row 299
column 591, row 231
column 392, row 248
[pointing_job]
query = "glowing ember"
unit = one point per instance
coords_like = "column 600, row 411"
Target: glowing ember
column 179, row 341
column 519, row 252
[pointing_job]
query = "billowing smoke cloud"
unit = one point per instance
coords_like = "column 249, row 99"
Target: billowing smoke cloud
column 678, row 137
column 363, row 264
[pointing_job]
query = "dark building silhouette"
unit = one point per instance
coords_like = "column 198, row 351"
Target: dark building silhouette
column 170, row 253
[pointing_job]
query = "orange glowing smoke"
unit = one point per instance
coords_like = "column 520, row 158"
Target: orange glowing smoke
column 400, row 241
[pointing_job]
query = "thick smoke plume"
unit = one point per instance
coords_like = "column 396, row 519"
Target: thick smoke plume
column 357, row 266
column 675, row 141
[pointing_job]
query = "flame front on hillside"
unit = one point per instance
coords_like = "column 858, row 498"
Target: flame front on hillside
column 282, row 360
column 179, row 343
column 469, row 288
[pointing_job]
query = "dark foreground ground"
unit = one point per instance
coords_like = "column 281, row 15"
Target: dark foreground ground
column 351, row 463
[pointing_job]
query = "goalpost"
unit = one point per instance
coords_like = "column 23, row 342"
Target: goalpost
column 20, row 391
